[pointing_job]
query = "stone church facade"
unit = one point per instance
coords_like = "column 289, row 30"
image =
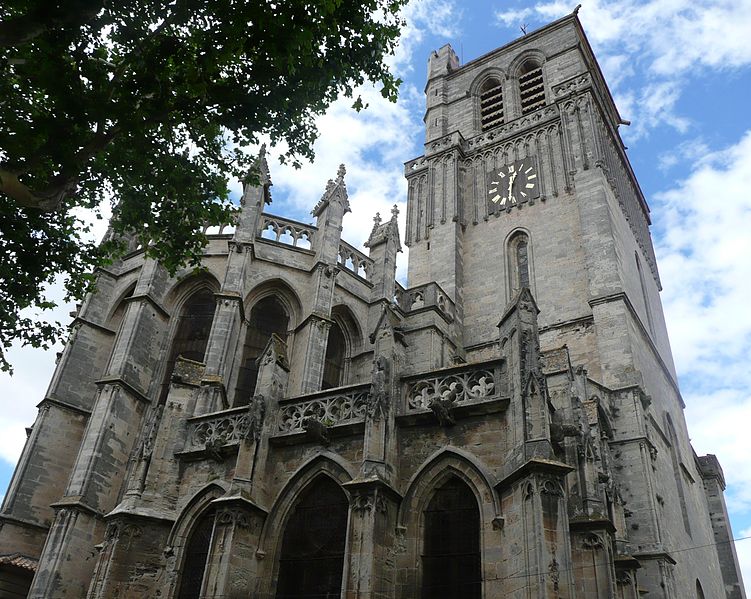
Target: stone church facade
column 292, row 422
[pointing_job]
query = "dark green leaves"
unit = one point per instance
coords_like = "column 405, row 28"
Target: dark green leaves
column 134, row 101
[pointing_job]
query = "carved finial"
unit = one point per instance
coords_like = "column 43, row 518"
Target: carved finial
column 262, row 151
column 394, row 212
column 340, row 173
column 576, row 10
column 377, row 219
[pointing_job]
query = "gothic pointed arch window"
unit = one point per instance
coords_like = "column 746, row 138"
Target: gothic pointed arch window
column 699, row 590
column 312, row 554
column 519, row 263
column 333, row 364
column 678, row 472
column 491, row 103
column 451, row 549
column 531, row 86
column 192, row 332
column 267, row 317
column 195, row 557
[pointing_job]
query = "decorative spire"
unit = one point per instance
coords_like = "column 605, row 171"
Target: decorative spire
column 383, row 231
column 260, row 168
column 332, row 187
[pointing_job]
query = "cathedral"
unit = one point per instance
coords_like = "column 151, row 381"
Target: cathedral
column 292, row 422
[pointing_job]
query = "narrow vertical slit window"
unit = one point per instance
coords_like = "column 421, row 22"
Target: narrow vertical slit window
column 531, row 87
column 644, row 295
column 677, row 473
column 518, row 258
column 522, row 262
column 491, row 104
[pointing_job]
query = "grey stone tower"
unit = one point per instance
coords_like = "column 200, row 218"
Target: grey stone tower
column 292, row 422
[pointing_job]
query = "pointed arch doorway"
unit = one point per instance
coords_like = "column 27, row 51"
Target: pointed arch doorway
column 313, row 545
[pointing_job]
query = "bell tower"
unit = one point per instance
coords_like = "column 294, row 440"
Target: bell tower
column 525, row 184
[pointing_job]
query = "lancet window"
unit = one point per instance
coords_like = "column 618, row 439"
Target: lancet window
column 451, row 551
column 312, row 555
column 333, row 366
column 677, row 472
column 491, row 104
column 267, row 316
column 531, row 86
column 192, row 333
column 518, row 253
column 195, row 557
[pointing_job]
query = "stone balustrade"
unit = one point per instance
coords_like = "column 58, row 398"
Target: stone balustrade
column 430, row 295
column 287, row 231
column 219, row 429
column 343, row 405
column 354, row 260
column 457, row 386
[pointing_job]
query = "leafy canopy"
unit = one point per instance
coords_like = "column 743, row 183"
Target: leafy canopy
column 154, row 105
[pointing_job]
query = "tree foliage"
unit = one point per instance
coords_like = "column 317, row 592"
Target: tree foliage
column 154, row 105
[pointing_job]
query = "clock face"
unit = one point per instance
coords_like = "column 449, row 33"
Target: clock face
column 512, row 184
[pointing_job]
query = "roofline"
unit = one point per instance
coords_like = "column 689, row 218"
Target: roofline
column 519, row 40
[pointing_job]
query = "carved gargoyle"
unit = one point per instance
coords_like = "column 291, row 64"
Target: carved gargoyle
column 316, row 430
column 443, row 408
column 561, row 428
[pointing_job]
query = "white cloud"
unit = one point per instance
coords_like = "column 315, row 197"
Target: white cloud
column 662, row 42
column 25, row 389
column 703, row 250
column 743, row 548
column 373, row 144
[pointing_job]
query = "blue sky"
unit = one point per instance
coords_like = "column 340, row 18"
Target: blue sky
column 679, row 71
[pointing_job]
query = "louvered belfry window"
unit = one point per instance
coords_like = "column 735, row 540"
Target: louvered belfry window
column 491, row 104
column 531, row 87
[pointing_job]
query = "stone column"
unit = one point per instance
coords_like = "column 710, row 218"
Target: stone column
column 114, row 427
column 520, row 347
column 536, row 530
column 52, row 444
column 312, row 335
column 369, row 569
column 273, row 373
column 230, row 314
column 231, row 566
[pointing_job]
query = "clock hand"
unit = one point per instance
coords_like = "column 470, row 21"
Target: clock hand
column 510, row 185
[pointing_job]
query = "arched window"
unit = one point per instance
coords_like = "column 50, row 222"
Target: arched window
column 312, row 556
column 531, row 86
column 192, row 334
column 451, row 553
column 677, row 472
column 518, row 253
column 644, row 295
column 333, row 366
column 116, row 319
column 195, row 556
column 267, row 316
column 699, row 590
column 491, row 104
